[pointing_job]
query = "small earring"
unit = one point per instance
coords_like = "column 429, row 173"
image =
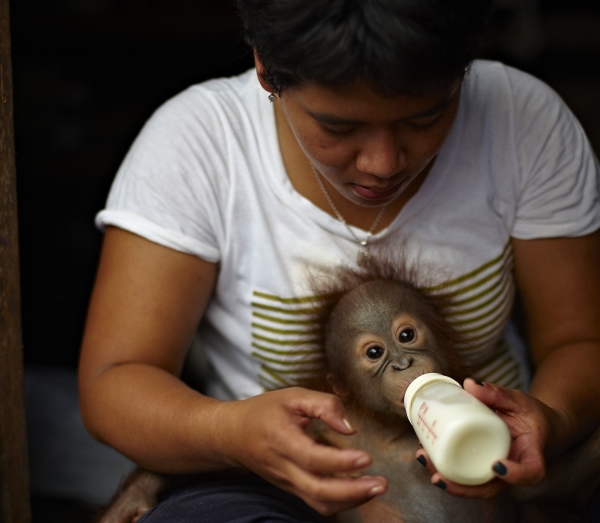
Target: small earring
column 272, row 97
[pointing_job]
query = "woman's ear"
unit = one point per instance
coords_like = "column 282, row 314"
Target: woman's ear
column 261, row 72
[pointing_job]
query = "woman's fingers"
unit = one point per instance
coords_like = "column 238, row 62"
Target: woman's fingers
column 487, row 490
column 470, row 491
column 267, row 433
column 499, row 398
column 527, row 419
column 320, row 474
column 529, row 470
column 317, row 405
column 329, row 495
column 290, row 441
column 324, row 460
column 424, row 460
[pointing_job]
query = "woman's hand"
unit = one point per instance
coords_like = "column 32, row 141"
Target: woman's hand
column 266, row 434
column 531, row 424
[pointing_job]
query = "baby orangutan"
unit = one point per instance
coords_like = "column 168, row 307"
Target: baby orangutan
column 379, row 333
column 379, row 336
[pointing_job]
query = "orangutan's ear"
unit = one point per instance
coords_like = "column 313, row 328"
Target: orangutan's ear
column 261, row 72
column 335, row 387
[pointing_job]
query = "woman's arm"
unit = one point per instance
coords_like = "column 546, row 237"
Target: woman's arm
column 559, row 282
column 146, row 304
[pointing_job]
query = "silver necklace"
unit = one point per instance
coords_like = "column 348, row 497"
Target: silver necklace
column 363, row 251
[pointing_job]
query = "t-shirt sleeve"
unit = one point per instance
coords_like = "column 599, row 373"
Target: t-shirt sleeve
column 171, row 186
column 558, row 193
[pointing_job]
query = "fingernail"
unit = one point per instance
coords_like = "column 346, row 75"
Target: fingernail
column 480, row 383
column 363, row 461
column 375, row 491
column 499, row 469
column 440, row 484
column 348, row 425
column 422, row 460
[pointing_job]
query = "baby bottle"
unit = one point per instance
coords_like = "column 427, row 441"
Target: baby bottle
column 462, row 436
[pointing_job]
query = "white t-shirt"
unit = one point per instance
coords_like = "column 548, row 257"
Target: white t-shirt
column 205, row 176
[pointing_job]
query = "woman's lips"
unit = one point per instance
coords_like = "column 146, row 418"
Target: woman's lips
column 373, row 194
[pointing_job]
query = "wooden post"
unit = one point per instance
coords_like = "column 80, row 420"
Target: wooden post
column 14, row 474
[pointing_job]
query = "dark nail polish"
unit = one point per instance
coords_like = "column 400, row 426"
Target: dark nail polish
column 440, row 484
column 422, row 460
column 499, row 469
column 480, row 383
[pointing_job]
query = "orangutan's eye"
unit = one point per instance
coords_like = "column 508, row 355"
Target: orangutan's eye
column 375, row 352
column 406, row 335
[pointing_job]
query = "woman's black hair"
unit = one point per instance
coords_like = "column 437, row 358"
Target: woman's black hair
column 397, row 46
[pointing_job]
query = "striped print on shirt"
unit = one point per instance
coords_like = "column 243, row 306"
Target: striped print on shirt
column 285, row 330
column 480, row 305
column 285, row 339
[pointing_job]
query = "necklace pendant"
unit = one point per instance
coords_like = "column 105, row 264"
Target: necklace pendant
column 363, row 253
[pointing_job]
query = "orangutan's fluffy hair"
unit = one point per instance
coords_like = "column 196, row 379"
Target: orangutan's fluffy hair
column 384, row 265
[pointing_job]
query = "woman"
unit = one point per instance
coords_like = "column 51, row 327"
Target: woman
column 365, row 127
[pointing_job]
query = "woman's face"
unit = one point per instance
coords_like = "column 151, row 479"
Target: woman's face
column 367, row 146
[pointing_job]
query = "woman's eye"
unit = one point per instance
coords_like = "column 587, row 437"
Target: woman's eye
column 374, row 353
column 406, row 335
column 424, row 123
column 339, row 131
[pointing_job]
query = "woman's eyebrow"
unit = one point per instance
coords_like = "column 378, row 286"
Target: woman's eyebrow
column 333, row 120
column 330, row 119
column 437, row 108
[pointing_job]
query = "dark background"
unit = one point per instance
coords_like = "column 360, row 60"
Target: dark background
column 88, row 73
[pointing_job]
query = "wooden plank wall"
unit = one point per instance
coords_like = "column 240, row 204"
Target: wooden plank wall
column 14, row 475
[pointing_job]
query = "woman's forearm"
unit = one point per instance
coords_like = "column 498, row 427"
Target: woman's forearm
column 150, row 416
column 145, row 307
column 567, row 381
column 561, row 299
column 154, row 419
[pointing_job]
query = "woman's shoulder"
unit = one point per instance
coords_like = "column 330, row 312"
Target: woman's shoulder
column 214, row 101
column 491, row 84
column 503, row 107
column 242, row 87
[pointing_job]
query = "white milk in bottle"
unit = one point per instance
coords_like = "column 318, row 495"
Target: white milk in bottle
column 462, row 436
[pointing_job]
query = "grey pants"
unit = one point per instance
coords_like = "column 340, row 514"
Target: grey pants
column 249, row 499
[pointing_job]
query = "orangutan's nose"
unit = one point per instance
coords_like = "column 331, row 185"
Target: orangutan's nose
column 402, row 364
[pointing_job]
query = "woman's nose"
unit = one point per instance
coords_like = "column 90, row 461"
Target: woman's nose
column 381, row 154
